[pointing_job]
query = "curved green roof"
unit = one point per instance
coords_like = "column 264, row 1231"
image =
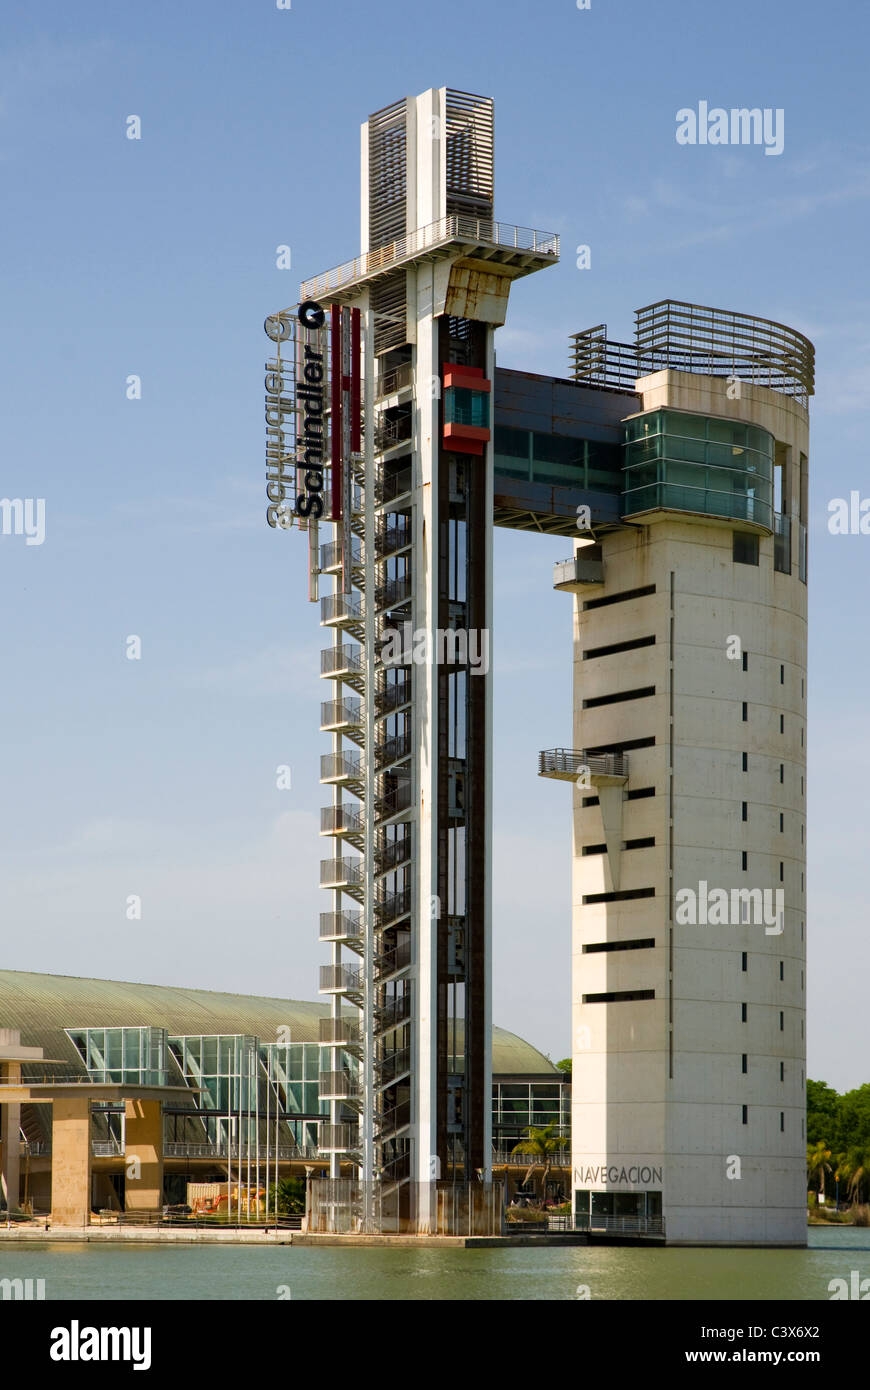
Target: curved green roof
column 43, row 1006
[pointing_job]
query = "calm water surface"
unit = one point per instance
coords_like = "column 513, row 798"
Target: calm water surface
column 82, row 1271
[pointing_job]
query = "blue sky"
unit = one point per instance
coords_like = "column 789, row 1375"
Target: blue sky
column 157, row 257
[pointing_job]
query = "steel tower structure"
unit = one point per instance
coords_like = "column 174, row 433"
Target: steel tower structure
column 398, row 347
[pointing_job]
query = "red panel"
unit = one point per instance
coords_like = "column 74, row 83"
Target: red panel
column 466, row 439
column 471, row 378
column 355, row 383
column 335, row 401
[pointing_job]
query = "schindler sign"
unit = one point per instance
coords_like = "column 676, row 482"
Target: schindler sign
column 295, row 456
column 309, row 419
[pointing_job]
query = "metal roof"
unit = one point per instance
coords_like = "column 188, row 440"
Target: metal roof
column 43, row 1006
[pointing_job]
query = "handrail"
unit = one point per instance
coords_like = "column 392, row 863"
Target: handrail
column 453, row 227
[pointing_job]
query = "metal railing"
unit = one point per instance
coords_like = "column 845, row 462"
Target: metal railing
column 180, row 1149
column 394, row 379
column 400, row 958
column 581, row 569
column 107, row 1148
column 341, row 658
column 345, row 764
column 453, row 227
column 394, row 906
column 340, row 871
column 568, row 762
column 339, row 1032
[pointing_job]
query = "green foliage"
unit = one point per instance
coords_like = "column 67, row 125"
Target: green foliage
column 564, row 1066
column 291, row 1196
column 838, row 1141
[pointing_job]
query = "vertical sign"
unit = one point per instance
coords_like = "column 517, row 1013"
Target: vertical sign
column 335, row 404
column 347, row 464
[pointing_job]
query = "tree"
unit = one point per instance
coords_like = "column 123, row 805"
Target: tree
column 823, row 1105
column 818, row 1165
column 544, row 1143
column 565, row 1066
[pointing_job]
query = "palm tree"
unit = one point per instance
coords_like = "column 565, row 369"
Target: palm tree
column 544, row 1143
column 858, row 1166
column 818, row 1165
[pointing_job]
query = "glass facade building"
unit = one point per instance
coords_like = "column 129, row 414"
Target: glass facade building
column 700, row 464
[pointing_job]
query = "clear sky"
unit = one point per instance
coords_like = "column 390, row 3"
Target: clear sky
column 157, row 257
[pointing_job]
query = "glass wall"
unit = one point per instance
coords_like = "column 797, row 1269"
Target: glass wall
column 698, row 463
column 132, row 1056
column 557, row 460
column 518, row 1104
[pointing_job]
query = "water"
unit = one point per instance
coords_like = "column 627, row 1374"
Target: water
column 225, row 1272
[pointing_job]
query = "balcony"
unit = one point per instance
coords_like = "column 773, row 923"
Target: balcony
column 345, row 768
column 343, row 1138
column 339, row 1085
column 586, row 567
column 566, row 765
column 342, row 979
column 394, row 592
column 394, row 803
column 342, row 716
column 331, row 556
column 344, row 611
column 344, row 663
column 342, row 873
column 524, row 248
column 345, row 821
column 388, row 434
column 345, row 928
column 341, row 1032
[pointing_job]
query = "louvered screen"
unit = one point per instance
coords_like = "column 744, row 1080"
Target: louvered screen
column 469, row 131
column 388, row 305
column 388, row 175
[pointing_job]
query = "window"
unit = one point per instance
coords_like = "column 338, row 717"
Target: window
column 782, row 675
column 625, row 896
column 745, row 548
column 744, row 1064
column 782, row 1071
column 781, row 872
column 616, row 647
column 621, row 597
column 638, row 944
column 744, row 965
column 745, row 762
column 642, row 693
column 619, row 996
column 744, row 810
column 782, row 1121
column 744, row 859
column 782, row 723
column 746, row 661
column 781, row 970
column 781, row 1021
column 746, row 1114
column 744, row 1008
column 782, row 772
column 745, row 711
column 781, row 822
